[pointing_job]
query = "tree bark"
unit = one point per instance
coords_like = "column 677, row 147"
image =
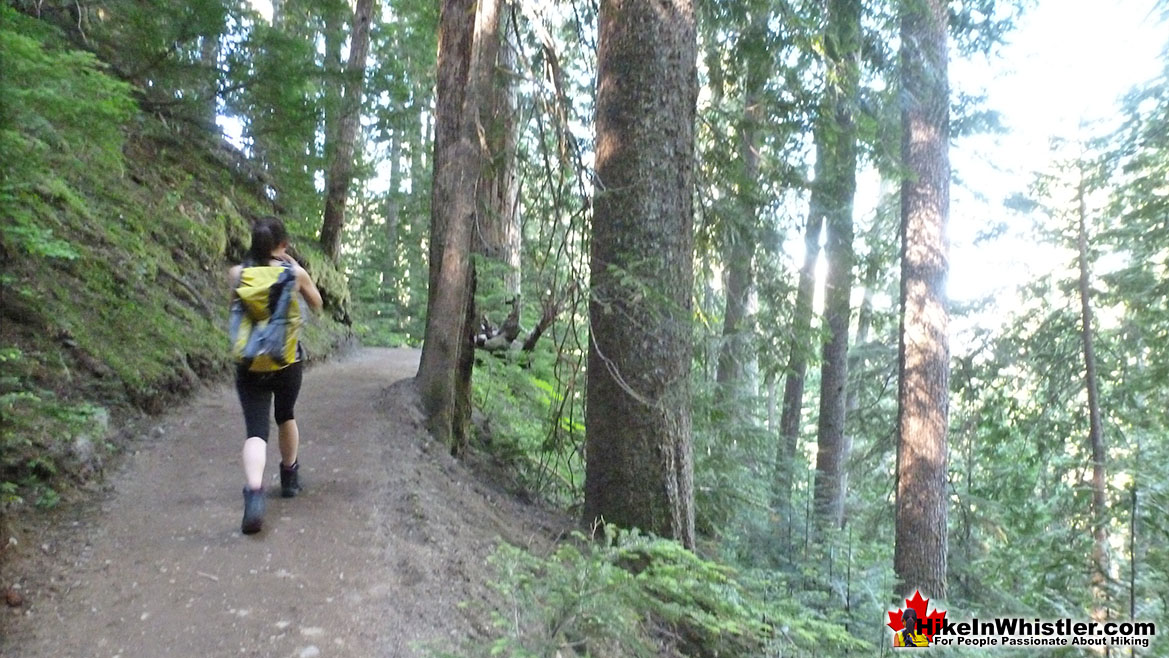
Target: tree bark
column 464, row 76
column 497, row 235
column 843, row 50
column 736, row 360
column 341, row 167
column 446, row 123
column 333, row 14
column 864, row 326
column 421, row 137
column 1095, row 426
column 1132, row 545
column 639, row 467
column 772, row 405
column 733, row 355
column 209, row 59
column 390, row 260
column 919, row 558
column 735, row 351
column 797, row 364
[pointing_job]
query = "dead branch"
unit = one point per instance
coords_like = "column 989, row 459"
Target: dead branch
column 503, row 338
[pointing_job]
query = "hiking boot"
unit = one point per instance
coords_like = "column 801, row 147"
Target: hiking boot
column 253, row 511
column 289, row 480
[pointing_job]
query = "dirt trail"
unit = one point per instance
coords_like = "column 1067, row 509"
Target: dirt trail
column 389, row 535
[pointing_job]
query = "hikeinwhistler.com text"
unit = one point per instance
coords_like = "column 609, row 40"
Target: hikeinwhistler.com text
column 1017, row 632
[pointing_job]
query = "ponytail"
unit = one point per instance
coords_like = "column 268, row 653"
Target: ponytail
column 267, row 234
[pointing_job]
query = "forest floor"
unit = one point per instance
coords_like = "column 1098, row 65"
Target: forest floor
column 374, row 558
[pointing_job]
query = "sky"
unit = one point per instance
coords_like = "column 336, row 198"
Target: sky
column 1063, row 73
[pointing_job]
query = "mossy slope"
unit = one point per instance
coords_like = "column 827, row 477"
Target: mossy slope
column 118, row 230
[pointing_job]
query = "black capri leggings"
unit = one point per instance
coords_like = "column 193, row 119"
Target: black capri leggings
column 256, row 391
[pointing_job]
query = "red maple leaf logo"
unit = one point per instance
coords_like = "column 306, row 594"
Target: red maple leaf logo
column 931, row 622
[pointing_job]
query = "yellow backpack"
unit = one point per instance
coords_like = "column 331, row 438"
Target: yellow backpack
column 265, row 318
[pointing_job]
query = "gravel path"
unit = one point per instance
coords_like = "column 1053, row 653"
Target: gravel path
column 373, row 559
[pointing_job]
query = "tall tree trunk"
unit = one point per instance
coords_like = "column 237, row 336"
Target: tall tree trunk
column 456, row 35
column 1132, row 544
column 735, row 346
column 864, row 326
column 497, row 234
column 843, row 48
column 420, row 140
column 735, row 350
column 333, row 13
column 639, row 467
column 1095, row 427
column 390, row 262
column 919, row 557
column 772, row 405
column 341, row 167
column 797, row 365
column 736, row 359
column 209, row 60
column 509, row 209
column 464, row 76
column 428, row 123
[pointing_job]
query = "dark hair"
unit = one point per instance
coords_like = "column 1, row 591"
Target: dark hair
column 267, row 234
column 910, row 613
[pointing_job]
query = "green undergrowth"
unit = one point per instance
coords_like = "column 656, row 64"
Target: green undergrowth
column 118, row 231
column 625, row 594
column 382, row 317
column 533, row 422
column 383, row 332
column 629, row 595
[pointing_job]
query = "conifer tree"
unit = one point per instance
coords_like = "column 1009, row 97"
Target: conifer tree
column 838, row 147
column 919, row 557
column 341, row 166
column 638, row 448
column 465, row 66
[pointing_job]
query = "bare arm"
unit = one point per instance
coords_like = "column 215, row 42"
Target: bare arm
column 233, row 279
column 304, row 283
column 308, row 289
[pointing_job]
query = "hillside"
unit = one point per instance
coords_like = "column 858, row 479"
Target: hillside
column 118, row 228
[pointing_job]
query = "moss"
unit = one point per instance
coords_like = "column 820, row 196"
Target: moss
column 331, row 281
column 121, row 229
column 114, row 295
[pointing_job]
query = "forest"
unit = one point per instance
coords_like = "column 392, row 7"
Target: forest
column 680, row 271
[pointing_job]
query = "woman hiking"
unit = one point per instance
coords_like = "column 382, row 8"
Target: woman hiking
column 266, row 286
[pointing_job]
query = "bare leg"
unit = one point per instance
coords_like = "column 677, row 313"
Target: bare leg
column 289, row 442
column 255, row 454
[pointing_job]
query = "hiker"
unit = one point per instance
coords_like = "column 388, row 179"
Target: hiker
column 910, row 635
column 265, row 290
